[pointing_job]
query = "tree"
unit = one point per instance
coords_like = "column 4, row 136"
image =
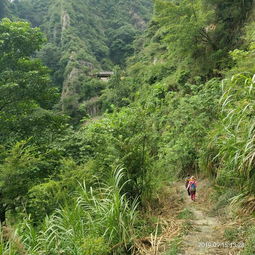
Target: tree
column 18, row 172
column 184, row 29
column 121, row 43
column 27, row 97
column 27, row 94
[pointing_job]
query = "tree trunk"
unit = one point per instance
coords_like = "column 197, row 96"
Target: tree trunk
column 2, row 214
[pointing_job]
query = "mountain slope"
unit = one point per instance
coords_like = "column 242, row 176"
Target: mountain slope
column 84, row 36
column 4, row 8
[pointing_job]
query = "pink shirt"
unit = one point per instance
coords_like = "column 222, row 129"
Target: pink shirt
column 191, row 182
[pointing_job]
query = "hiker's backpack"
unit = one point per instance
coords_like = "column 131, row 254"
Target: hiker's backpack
column 193, row 187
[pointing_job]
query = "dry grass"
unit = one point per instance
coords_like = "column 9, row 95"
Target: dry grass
column 248, row 205
column 169, row 204
column 11, row 236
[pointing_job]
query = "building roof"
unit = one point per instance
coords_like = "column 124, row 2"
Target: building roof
column 104, row 74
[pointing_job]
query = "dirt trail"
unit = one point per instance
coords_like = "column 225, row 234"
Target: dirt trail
column 206, row 233
column 189, row 225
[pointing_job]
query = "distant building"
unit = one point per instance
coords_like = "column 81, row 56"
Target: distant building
column 104, row 76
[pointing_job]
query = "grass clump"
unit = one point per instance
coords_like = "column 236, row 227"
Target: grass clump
column 185, row 214
column 174, row 247
column 249, row 247
column 231, row 234
column 187, row 226
column 95, row 246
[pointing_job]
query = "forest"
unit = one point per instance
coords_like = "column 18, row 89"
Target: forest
column 95, row 167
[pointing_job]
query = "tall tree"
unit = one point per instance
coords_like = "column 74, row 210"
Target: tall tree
column 25, row 86
column 27, row 96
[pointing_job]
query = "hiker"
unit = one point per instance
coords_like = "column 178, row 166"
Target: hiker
column 192, row 187
column 186, row 184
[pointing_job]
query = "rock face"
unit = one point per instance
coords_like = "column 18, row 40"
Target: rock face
column 84, row 36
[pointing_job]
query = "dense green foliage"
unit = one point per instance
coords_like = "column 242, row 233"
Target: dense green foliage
column 84, row 37
column 26, row 102
column 182, row 105
column 27, row 93
column 229, row 155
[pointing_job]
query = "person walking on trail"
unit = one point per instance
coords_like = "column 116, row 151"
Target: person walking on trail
column 186, row 184
column 192, row 187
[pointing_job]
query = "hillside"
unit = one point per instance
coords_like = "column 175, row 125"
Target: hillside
column 100, row 170
column 84, row 37
column 4, row 9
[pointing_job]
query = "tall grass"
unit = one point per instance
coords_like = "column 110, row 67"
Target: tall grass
column 100, row 221
column 233, row 139
column 110, row 213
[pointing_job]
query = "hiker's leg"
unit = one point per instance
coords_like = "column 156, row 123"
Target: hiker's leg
column 194, row 195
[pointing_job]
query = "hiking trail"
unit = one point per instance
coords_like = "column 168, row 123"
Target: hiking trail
column 206, row 235
column 194, row 227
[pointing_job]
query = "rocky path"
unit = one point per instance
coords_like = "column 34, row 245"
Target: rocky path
column 198, row 232
column 205, row 236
